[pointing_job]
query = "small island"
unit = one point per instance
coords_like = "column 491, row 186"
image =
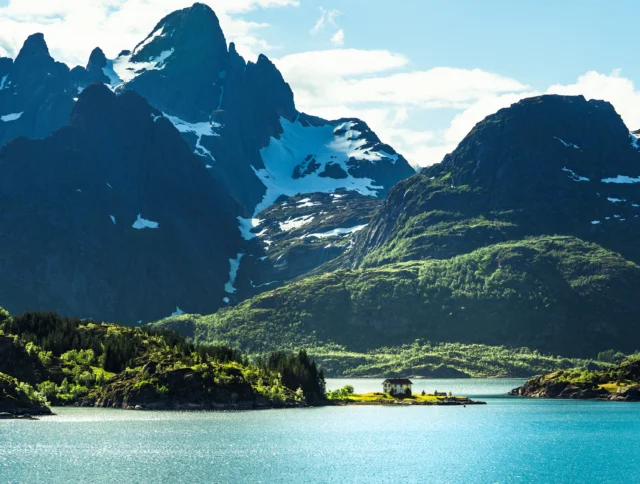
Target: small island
column 620, row 383
column 396, row 392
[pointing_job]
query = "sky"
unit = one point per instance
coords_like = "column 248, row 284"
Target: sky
column 421, row 73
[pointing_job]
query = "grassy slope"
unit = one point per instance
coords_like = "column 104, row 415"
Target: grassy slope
column 537, row 293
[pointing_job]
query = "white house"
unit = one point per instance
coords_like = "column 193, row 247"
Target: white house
column 396, row 385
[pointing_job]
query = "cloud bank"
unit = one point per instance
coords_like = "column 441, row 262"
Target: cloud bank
column 73, row 28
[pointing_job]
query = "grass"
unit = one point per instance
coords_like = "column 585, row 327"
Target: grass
column 377, row 397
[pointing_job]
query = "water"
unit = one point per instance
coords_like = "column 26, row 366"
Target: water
column 508, row 440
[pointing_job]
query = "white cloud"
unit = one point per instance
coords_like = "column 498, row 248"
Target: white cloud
column 618, row 90
column 361, row 83
column 339, row 63
column 327, row 18
column 338, row 38
column 73, row 28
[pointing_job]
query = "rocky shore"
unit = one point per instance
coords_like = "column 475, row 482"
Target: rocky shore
column 621, row 384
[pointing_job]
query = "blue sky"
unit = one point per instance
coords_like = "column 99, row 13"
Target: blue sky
column 420, row 72
column 544, row 42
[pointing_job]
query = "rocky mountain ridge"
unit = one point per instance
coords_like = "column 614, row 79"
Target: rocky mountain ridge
column 76, row 172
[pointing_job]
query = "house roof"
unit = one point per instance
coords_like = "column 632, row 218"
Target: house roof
column 398, row 381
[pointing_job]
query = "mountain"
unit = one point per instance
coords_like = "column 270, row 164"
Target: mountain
column 240, row 117
column 524, row 236
column 36, row 92
column 546, row 165
column 106, row 192
column 113, row 217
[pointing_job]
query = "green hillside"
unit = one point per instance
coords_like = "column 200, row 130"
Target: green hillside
column 552, row 294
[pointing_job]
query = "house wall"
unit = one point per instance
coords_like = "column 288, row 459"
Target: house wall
column 396, row 388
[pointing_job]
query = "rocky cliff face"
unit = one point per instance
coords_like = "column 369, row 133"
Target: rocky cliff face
column 112, row 217
column 546, row 165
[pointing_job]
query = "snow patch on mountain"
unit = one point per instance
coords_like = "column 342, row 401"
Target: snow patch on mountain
column 114, row 79
column 177, row 312
column 314, row 149
column 233, row 272
column 246, row 225
column 148, row 40
column 141, row 223
column 3, row 81
column 336, row 232
column 568, row 145
column 199, row 129
column 11, row 117
column 622, row 179
column 127, row 70
column 296, row 223
column 574, row 177
column 616, row 200
column 113, row 219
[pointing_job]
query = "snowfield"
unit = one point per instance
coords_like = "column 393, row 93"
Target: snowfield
column 302, row 146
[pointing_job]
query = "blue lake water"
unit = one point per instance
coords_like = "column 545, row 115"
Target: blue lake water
column 508, row 440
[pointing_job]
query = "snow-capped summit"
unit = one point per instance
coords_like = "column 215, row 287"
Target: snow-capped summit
column 179, row 67
column 184, row 68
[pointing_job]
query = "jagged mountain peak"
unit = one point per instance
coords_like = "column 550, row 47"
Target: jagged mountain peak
column 190, row 35
column 97, row 59
column 35, row 45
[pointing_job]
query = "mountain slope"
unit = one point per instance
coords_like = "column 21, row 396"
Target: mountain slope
column 296, row 235
column 555, row 294
column 112, row 217
column 546, row 165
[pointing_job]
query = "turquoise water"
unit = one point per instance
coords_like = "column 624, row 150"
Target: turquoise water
column 508, row 440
